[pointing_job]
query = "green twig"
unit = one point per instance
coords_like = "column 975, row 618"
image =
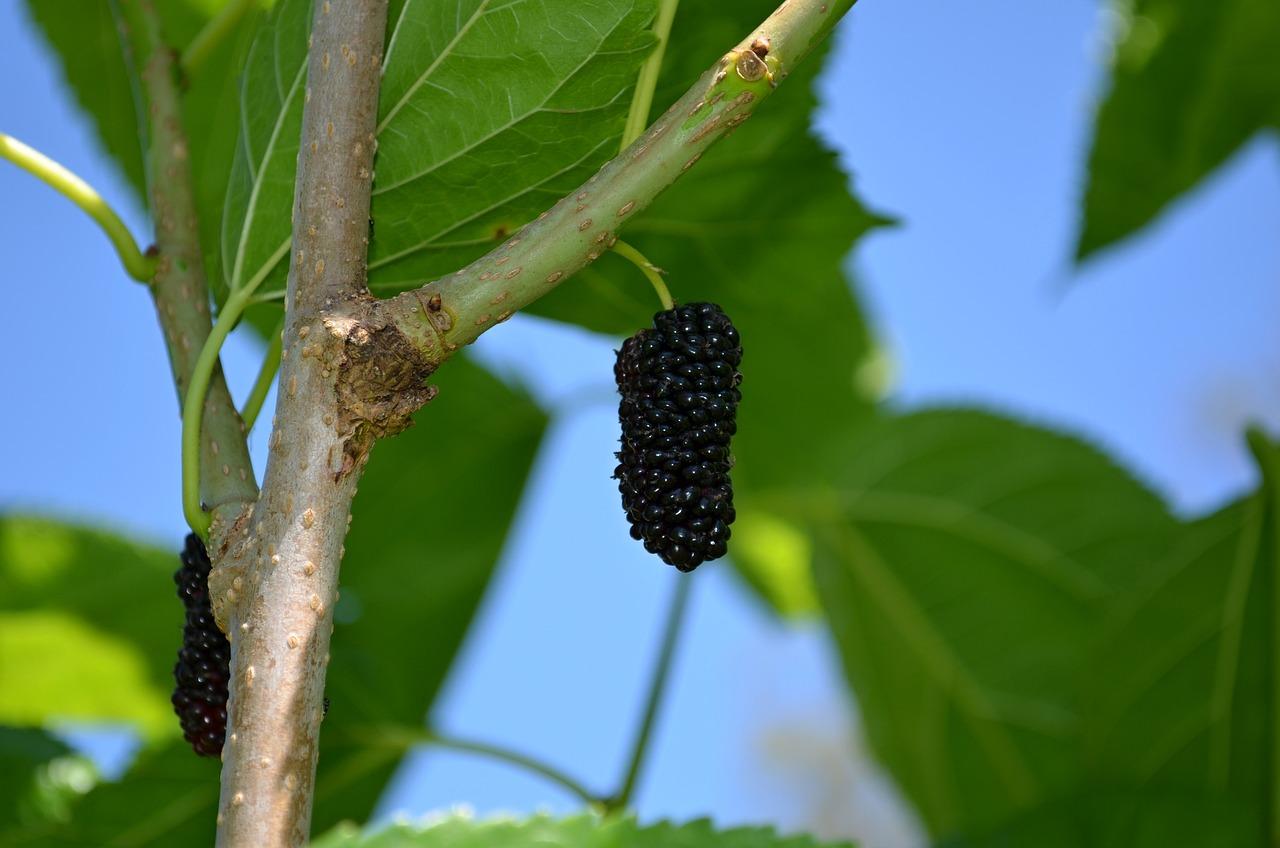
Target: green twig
column 519, row 760
column 266, row 376
column 214, row 33
column 193, row 400
column 403, row 738
column 657, row 688
column 139, row 266
column 653, row 272
column 642, row 100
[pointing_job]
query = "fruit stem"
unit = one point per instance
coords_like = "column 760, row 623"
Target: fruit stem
column 642, row 100
column 653, row 272
column 139, row 266
column 657, row 688
column 266, row 376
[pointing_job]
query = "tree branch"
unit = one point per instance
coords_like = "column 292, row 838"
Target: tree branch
column 455, row 310
column 179, row 290
column 345, row 380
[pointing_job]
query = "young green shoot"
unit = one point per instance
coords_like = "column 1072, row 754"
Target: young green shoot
column 138, row 265
column 266, row 376
column 651, row 271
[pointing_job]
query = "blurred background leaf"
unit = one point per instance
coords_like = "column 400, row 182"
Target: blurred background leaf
column 1191, row 83
column 79, row 607
column 965, row 563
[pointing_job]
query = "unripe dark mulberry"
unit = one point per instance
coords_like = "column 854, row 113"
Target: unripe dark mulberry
column 679, row 387
column 203, row 668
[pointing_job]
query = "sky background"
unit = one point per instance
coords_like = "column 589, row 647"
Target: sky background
column 970, row 123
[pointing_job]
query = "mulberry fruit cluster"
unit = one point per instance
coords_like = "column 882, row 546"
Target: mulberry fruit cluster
column 679, row 387
column 203, row 668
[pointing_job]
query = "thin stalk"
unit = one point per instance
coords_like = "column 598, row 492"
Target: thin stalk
column 642, row 100
column 214, row 33
column 515, row 758
column 193, row 409
column 139, row 266
column 193, row 401
column 266, row 376
column 648, row 269
column 402, row 738
column 657, row 688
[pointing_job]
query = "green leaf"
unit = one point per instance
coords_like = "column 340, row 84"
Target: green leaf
column 39, row 779
column 763, row 225
column 586, row 831
column 966, row 564
column 1184, row 681
column 536, row 91
column 1102, row 815
column 426, row 535
column 88, row 45
column 89, row 626
column 1191, row 83
column 84, row 36
column 97, row 676
column 168, row 797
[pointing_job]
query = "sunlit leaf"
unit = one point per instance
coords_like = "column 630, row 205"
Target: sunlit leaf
column 90, row 625
column 39, row 780
column 536, row 91
column 580, row 832
column 1184, row 680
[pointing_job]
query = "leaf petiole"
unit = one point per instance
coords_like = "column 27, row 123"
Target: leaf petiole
column 647, row 82
column 266, row 376
column 651, row 271
column 657, row 688
column 193, row 402
column 138, row 265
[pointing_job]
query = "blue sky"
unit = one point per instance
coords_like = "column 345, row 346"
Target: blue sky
column 969, row 122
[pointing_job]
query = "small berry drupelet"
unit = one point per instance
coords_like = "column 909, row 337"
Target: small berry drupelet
column 203, row 668
column 679, row 387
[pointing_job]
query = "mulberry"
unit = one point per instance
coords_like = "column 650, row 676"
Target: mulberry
column 203, row 668
column 679, row 387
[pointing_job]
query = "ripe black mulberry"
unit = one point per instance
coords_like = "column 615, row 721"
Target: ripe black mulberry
column 679, row 387
column 203, row 668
